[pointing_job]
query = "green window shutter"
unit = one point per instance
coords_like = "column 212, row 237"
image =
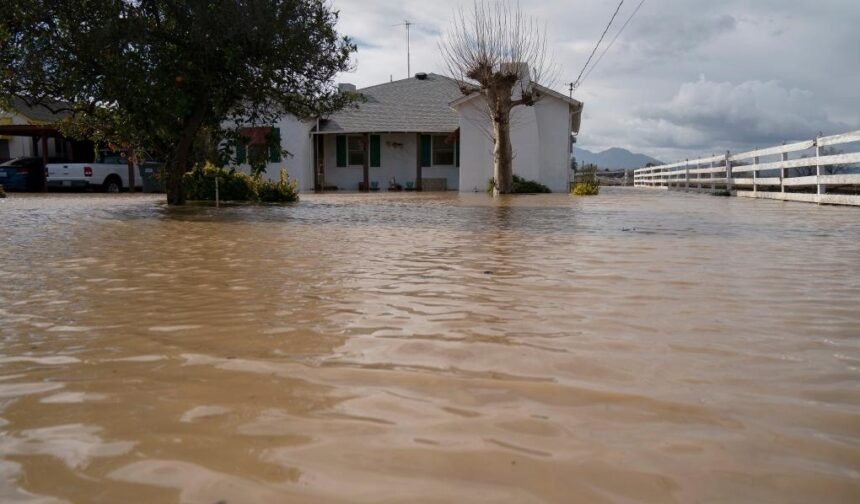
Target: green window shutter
column 340, row 140
column 275, row 145
column 456, row 153
column 426, row 150
column 241, row 151
column 375, row 154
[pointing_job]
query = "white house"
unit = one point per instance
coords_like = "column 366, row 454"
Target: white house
column 421, row 133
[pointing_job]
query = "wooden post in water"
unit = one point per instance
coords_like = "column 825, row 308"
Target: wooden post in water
column 217, row 196
column 783, row 172
column 818, row 189
column 698, row 175
column 755, row 175
column 711, row 176
column 687, row 174
column 728, row 172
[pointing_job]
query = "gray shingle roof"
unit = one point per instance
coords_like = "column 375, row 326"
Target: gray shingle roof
column 408, row 105
column 42, row 113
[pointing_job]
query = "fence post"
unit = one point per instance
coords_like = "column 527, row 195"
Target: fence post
column 755, row 175
column 783, row 172
column 698, row 176
column 687, row 174
column 728, row 172
column 818, row 188
column 217, row 196
column 711, row 176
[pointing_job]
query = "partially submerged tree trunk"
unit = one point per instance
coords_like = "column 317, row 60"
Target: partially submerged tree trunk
column 491, row 51
column 179, row 163
column 503, row 171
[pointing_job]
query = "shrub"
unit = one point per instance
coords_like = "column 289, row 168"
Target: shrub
column 282, row 191
column 588, row 183
column 521, row 186
column 237, row 186
column 491, row 186
column 2, row 192
column 232, row 185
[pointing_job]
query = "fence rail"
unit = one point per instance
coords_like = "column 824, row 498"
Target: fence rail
column 835, row 182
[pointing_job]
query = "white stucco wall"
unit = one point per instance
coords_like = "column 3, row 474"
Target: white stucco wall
column 295, row 139
column 539, row 140
column 553, row 128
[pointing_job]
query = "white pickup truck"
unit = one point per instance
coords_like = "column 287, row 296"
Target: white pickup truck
column 109, row 174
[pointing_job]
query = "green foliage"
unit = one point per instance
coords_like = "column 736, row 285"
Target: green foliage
column 281, row 191
column 152, row 74
column 587, row 184
column 234, row 185
column 491, row 186
column 523, row 186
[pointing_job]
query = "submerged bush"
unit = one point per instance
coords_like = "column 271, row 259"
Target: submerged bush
column 588, row 184
column 521, row 186
column 237, row 186
column 283, row 190
column 2, row 192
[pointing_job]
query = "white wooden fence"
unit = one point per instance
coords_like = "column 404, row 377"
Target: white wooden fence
column 736, row 174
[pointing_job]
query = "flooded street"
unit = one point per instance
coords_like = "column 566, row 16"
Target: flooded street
column 637, row 346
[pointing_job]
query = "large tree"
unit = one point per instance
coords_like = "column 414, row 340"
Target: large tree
column 500, row 52
column 155, row 73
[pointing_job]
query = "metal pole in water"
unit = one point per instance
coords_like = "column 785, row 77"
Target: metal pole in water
column 217, row 198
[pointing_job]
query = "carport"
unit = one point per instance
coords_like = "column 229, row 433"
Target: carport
column 81, row 151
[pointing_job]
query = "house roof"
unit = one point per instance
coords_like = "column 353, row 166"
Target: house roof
column 41, row 113
column 409, row 105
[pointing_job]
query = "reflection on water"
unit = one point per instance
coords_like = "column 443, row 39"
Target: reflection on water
column 633, row 347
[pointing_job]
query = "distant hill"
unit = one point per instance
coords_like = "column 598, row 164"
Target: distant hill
column 614, row 158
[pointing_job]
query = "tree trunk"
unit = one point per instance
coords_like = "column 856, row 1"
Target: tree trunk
column 179, row 164
column 503, row 171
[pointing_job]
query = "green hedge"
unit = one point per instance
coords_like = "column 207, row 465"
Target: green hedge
column 237, row 186
column 521, row 186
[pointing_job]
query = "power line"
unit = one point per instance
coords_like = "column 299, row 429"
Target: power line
column 612, row 42
column 575, row 84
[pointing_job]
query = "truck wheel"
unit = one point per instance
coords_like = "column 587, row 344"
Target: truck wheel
column 112, row 184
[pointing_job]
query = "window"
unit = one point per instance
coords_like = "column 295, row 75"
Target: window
column 356, row 150
column 258, row 153
column 443, row 153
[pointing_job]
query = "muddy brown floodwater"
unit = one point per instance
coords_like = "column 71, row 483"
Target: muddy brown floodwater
column 632, row 347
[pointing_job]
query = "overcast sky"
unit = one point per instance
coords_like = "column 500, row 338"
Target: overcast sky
column 686, row 77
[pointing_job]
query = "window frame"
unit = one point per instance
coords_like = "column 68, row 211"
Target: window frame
column 350, row 150
column 439, row 146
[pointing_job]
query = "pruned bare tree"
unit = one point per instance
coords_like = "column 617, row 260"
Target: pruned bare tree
column 496, row 50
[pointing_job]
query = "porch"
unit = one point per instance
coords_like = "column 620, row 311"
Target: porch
column 386, row 161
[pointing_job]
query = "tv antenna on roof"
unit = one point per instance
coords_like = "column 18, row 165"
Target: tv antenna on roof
column 407, row 24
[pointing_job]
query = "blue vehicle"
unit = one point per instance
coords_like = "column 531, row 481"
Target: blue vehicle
column 23, row 174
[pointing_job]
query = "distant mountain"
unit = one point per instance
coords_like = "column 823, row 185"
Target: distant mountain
column 614, row 158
